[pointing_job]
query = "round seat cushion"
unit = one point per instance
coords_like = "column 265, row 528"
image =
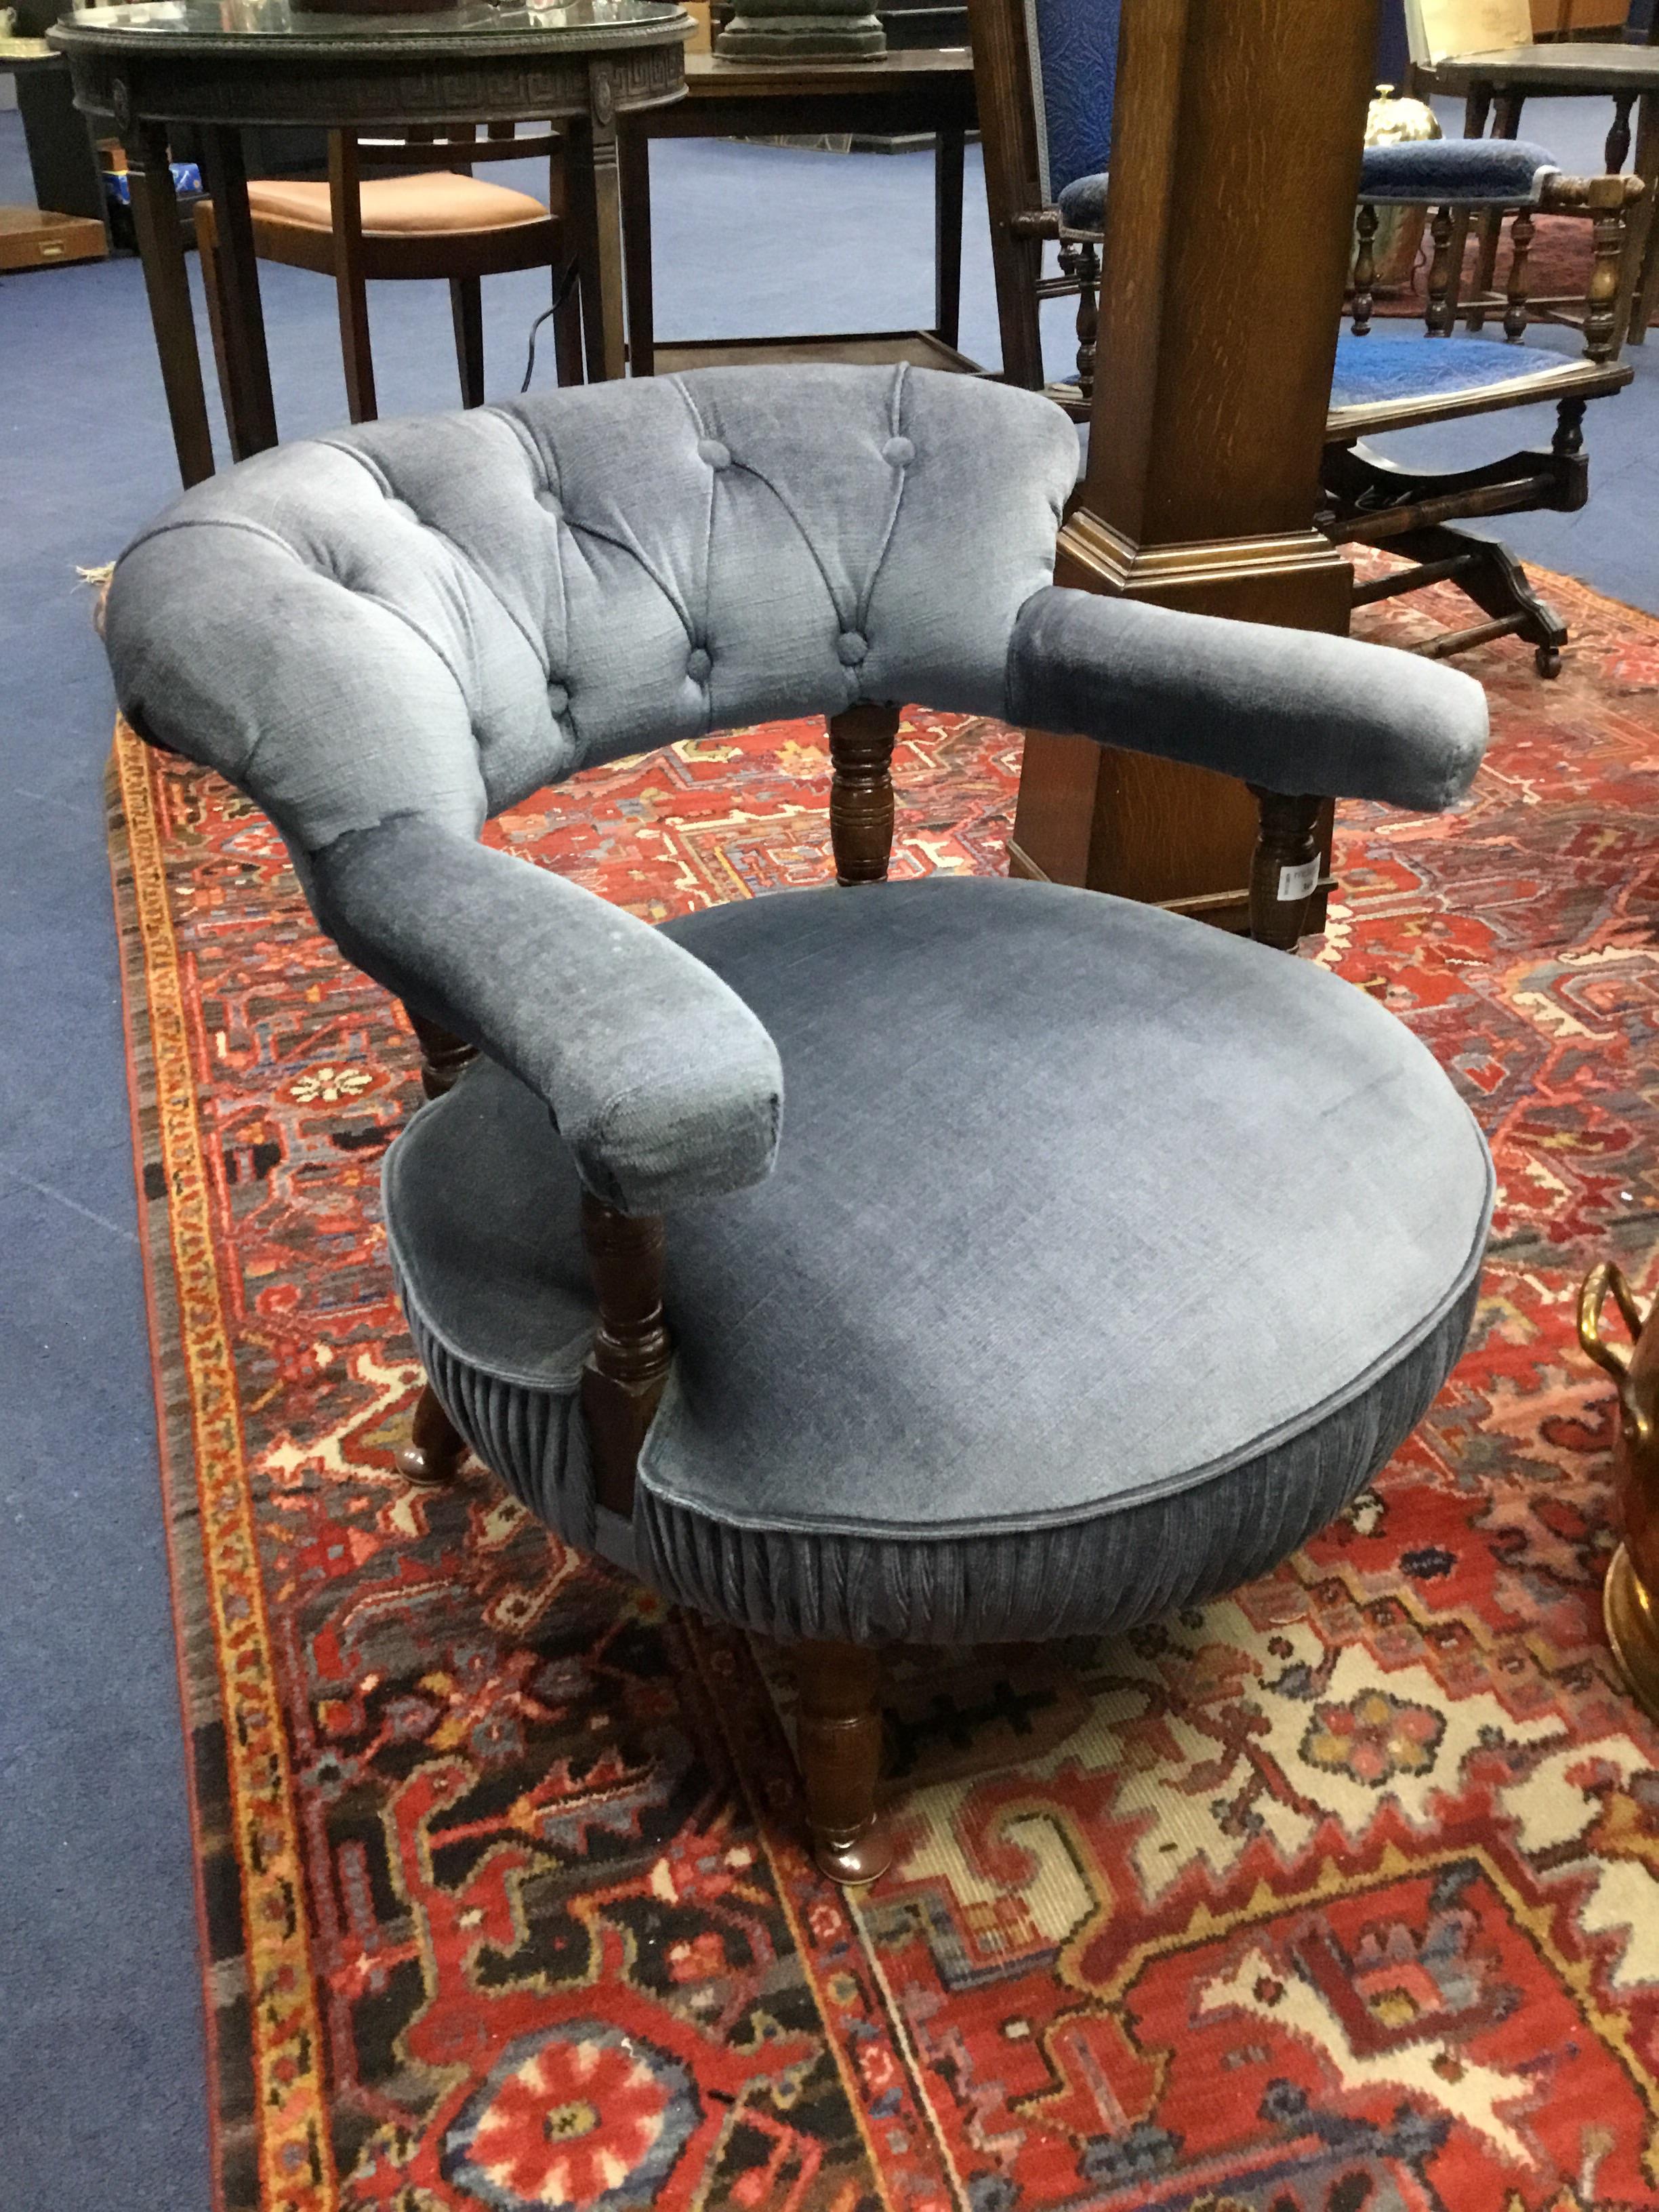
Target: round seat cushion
column 1106, row 1256
column 436, row 200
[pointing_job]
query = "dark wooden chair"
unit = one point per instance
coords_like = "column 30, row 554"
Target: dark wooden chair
column 1380, row 385
column 1496, row 84
column 1404, row 385
column 438, row 221
column 1044, row 75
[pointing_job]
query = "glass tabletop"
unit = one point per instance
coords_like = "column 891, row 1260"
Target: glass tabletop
column 281, row 19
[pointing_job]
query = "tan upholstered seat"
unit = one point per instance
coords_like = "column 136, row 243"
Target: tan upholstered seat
column 400, row 206
column 443, row 224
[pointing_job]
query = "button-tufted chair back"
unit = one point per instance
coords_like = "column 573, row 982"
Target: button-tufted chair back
column 492, row 600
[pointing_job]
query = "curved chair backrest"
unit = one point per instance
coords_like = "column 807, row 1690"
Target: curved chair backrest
column 494, row 599
column 1073, row 45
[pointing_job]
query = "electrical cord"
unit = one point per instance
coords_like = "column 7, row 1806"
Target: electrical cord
column 566, row 278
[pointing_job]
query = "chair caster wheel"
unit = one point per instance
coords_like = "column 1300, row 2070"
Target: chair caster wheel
column 1548, row 659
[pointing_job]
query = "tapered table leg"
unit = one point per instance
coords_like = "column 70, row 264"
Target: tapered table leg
column 248, row 402
column 635, row 149
column 594, row 208
column 166, row 284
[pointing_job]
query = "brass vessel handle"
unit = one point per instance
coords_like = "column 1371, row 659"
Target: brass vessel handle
column 1603, row 1278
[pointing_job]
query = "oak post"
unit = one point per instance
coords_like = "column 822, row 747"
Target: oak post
column 1209, row 418
column 627, row 1366
column 838, row 1735
column 861, row 791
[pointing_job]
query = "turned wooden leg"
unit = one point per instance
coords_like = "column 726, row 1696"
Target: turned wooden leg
column 1284, row 867
column 432, row 1458
column 838, row 1733
column 861, row 741
column 443, row 1054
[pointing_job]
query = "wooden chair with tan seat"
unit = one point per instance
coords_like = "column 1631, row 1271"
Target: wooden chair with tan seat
column 441, row 223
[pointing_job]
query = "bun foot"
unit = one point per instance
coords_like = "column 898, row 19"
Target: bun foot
column 432, row 1458
column 851, row 1860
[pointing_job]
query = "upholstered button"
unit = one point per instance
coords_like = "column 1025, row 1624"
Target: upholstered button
column 717, row 455
column 900, row 451
column 557, row 698
column 402, row 508
column 697, row 664
column 549, row 500
column 852, row 648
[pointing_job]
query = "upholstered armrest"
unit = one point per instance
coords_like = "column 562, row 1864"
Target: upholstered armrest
column 1291, row 710
column 662, row 1083
column 1457, row 173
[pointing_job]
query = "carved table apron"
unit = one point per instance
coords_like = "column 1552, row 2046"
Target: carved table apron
column 578, row 66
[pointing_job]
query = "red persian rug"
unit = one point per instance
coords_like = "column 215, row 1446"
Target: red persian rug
column 1339, row 1895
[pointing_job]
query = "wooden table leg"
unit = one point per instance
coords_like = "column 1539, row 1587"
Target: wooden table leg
column 350, row 290
column 167, row 282
column 248, row 402
column 594, row 207
column 634, row 149
column 1642, row 247
column 948, row 154
column 1506, row 124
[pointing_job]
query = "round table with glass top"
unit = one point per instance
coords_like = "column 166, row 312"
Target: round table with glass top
column 222, row 65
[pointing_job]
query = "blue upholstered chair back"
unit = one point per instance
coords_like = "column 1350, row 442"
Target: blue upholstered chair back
column 1074, row 49
column 532, row 588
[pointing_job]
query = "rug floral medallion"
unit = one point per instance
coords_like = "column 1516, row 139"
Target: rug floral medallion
column 1340, row 1894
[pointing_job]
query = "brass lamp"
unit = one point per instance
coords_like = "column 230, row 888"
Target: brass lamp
column 1393, row 122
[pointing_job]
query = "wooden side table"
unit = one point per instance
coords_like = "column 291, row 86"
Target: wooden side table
column 918, row 90
column 225, row 65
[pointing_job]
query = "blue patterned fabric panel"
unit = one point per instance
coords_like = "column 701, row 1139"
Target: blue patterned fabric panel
column 1368, row 369
column 1073, row 47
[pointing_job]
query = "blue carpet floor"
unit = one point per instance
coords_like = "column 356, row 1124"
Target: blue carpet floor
column 101, row 2071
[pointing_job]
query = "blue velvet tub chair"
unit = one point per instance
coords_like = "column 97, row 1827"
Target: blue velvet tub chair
column 943, row 1260
column 1046, row 76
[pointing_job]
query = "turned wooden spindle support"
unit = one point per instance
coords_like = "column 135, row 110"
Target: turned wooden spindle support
column 1285, row 869
column 1515, row 312
column 627, row 1366
column 1079, row 262
column 432, row 1458
column 861, row 741
column 1630, row 1597
column 443, row 1054
column 1364, row 268
column 838, row 1737
column 1441, row 312
column 1608, row 201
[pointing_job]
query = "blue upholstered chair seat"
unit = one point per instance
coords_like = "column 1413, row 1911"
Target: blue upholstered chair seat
column 1016, row 1339
column 1370, row 370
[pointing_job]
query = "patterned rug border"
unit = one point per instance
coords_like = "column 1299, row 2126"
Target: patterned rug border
column 277, row 2122
column 218, row 1600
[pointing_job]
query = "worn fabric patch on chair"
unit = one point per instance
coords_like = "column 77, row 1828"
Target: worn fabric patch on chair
column 1336, row 1892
